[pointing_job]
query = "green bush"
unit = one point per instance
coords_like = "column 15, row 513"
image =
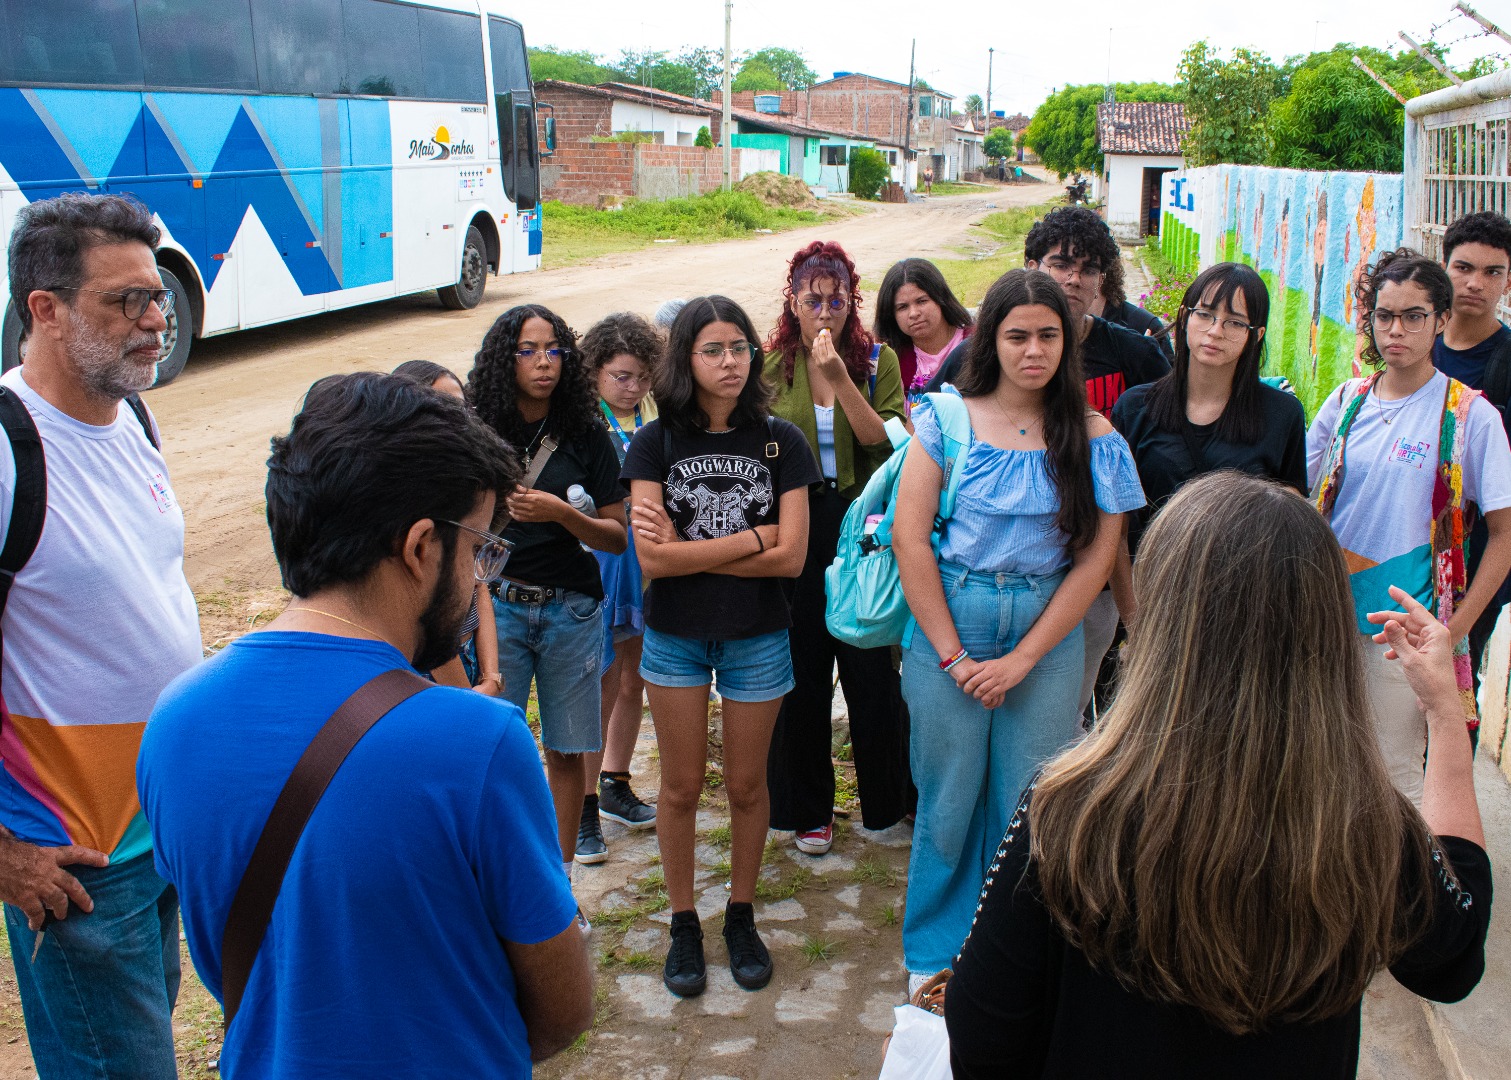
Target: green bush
column 705, row 138
column 868, row 172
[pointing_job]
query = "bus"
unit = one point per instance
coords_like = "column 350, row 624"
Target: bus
column 300, row 156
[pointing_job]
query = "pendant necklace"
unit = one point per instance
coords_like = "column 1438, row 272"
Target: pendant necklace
column 540, row 430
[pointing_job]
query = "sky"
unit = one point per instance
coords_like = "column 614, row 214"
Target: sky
column 1040, row 44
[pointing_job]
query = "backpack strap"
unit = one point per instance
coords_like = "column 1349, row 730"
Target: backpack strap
column 1497, row 378
column 144, row 418
column 29, row 498
column 955, row 433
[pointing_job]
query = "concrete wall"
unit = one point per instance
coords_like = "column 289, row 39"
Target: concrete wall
column 673, row 129
column 582, row 174
column 1123, row 206
column 1308, row 234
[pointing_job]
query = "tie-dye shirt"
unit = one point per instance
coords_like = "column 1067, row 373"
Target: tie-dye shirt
column 98, row 622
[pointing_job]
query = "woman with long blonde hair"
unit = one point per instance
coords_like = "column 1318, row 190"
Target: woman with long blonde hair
column 1207, row 883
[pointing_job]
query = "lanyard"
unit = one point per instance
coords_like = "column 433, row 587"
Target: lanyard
column 624, row 436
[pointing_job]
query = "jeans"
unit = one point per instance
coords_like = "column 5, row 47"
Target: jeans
column 971, row 764
column 559, row 644
column 1100, row 627
column 99, row 998
column 747, row 669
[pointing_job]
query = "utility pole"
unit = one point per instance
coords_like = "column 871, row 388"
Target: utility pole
column 1433, row 60
column 725, row 124
column 987, row 124
column 907, row 131
column 1486, row 23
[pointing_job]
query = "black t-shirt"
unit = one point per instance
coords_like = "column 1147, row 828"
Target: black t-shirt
column 1468, row 365
column 1113, row 358
column 1024, row 1002
column 1165, row 460
column 717, row 484
column 545, row 553
column 1130, row 315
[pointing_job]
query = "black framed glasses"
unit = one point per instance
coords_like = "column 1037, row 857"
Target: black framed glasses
column 1411, row 321
column 488, row 564
column 133, row 301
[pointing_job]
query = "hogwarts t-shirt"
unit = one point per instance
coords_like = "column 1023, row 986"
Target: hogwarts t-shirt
column 716, row 484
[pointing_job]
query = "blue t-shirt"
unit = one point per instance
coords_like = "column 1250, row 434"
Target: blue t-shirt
column 434, row 844
column 1467, row 365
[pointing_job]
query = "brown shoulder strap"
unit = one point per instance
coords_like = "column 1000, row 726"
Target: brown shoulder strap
column 543, row 454
column 252, row 908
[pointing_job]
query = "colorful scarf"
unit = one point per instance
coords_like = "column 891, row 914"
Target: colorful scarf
column 1451, row 522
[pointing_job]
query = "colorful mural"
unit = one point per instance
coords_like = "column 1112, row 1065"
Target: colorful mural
column 1309, row 234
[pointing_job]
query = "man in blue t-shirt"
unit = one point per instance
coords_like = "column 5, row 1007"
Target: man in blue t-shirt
column 424, row 927
column 1475, row 349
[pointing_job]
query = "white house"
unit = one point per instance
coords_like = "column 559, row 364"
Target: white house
column 1140, row 142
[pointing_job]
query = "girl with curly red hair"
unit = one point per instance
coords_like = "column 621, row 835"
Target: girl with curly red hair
column 839, row 386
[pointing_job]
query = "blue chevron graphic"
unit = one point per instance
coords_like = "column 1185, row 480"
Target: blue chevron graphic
column 266, row 156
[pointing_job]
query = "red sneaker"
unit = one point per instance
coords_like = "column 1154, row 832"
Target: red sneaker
column 816, row 841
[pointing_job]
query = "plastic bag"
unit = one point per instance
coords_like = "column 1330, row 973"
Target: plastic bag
column 920, row 1047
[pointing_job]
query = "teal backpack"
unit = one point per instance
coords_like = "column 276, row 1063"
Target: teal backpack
column 866, row 607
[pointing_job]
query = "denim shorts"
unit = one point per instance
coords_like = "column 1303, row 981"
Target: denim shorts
column 558, row 645
column 750, row 669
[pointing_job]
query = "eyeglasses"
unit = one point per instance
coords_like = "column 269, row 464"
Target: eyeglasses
column 713, row 353
column 1411, row 321
column 1059, row 268
column 133, row 301
column 626, row 380
column 488, row 564
column 529, row 355
column 1200, row 321
column 834, row 303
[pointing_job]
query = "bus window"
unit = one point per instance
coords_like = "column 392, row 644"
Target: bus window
column 511, row 69
column 298, row 46
column 204, row 44
column 78, row 42
column 381, row 58
column 526, row 165
column 451, row 47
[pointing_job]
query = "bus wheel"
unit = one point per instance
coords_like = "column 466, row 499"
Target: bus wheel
column 11, row 345
column 468, row 291
column 179, row 336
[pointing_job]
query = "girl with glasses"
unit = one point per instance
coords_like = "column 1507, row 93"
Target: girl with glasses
column 1400, row 463
column 1211, row 411
column 719, row 505
column 620, row 352
column 529, row 383
column 839, row 387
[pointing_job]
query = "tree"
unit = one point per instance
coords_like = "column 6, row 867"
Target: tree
column 973, row 106
column 707, row 66
column 1063, row 131
column 998, row 143
column 757, row 77
column 868, row 172
column 787, row 65
column 1228, row 104
column 705, row 138
column 569, row 66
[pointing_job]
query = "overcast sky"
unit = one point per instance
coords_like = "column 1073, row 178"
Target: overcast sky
column 1039, row 45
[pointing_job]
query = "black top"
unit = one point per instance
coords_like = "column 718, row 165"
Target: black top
column 545, row 553
column 1113, row 358
column 1165, row 458
column 718, row 484
column 1468, row 365
column 1024, row 1003
column 1138, row 320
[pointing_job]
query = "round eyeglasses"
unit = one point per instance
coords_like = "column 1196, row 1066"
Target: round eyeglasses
column 834, row 303
column 1200, row 321
column 713, row 353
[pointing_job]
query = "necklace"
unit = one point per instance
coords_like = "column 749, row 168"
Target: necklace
column 1022, row 427
column 338, row 618
column 1389, row 417
column 540, row 429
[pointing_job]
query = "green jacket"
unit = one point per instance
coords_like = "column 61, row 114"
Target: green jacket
column 854, row 462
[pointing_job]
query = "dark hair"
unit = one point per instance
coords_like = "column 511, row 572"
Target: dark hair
column 1068, row 447
column 1078, row 232
column 1400, row 266
column 1242, row 419
column 493, row 392
column 367, row 457
column 925, row 276
column 50, row 237
column 426, row 372
column 1486, row 227
column 621, row 332
column 822, row 259
column 1114, row 288
column 676, row 390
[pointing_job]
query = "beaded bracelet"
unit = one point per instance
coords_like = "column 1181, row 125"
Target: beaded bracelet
column 945, row 665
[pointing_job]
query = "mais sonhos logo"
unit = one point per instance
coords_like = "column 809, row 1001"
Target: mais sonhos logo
column 439, row 146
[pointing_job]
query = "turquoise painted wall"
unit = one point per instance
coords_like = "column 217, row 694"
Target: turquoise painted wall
column 763, row 141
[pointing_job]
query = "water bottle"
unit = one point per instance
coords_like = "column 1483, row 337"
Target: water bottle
column 580, row 500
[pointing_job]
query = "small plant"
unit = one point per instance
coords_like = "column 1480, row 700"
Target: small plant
column 718, row 836
column 887, row 915
column 705, row 138
column 713, row 777
column 873, row 872
column 722, row 868
column 783, row 888
column 846, row 752
column 622, row 918
column 817, row 948
column 651, row 881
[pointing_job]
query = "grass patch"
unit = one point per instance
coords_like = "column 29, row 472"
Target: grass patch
column 846, row 752
column 970, row 278
column 651, row 881
column 722, row 868
column 783, row 888
column 718, row 836
column 603, row 1012
column 576, row 233
column 818, row 948
column 873, row 872
column 886, row 916
column 622, row 918
column 846, row 789
column 713, row 776
column 635, row 961
column 956, row 187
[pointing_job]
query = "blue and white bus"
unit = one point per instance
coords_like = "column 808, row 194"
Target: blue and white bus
column 299, row 155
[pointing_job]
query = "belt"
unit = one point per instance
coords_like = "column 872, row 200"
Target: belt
column 530, row 594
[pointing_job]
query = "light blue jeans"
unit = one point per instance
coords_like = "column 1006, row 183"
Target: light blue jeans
column 98, row 1000
column 970, row 763
column 558, row 644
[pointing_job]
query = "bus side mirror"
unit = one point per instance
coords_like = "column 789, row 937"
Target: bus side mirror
column 550, row 134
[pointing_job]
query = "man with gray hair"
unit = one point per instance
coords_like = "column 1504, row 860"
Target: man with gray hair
column 97, row 619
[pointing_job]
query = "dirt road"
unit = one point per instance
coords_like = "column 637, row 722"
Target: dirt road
column 239, row 390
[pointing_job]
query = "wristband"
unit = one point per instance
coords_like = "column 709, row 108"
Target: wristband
column 945, row 665
column 762, row 548
column 490, row 676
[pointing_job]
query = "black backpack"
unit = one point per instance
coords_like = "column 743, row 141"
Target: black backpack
column 29, row 506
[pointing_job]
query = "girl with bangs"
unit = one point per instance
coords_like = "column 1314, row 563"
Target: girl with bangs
column 992, row 681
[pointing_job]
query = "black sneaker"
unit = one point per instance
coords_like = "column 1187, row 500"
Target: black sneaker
column 685, row 974
column 617, row 802
column 749, row 962
column 590, row 846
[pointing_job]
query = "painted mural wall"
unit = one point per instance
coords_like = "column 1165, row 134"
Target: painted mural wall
column 1309, row 234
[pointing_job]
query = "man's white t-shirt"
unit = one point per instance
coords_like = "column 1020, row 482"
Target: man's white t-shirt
column 98, row 622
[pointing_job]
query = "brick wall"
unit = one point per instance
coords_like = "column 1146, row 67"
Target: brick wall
column 579, row 116
column 581, row 174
